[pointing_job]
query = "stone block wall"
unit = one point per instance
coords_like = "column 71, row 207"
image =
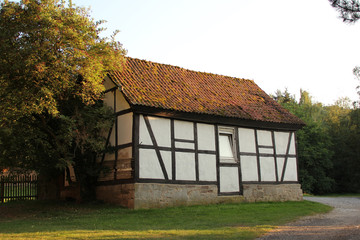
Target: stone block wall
column 155, row 195
column 272, row 192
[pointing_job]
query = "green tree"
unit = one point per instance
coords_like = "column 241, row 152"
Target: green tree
column 313, row 142
column 46, row 48
column 50, row 145
column 52, row 66
column 344, row 129
column 346, row 135
column 315, row 159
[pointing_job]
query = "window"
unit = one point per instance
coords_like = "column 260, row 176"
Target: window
column 227, row 144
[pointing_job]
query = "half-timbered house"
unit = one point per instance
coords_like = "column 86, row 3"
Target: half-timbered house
column 184, row 137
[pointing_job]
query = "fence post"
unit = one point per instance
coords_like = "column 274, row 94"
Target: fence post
column 2, row 188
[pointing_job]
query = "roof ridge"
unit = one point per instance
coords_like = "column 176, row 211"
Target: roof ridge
column 190, row 70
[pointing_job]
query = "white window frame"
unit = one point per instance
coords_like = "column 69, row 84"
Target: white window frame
column 229, row 131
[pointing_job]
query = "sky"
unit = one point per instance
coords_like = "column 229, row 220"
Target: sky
column 280, row 44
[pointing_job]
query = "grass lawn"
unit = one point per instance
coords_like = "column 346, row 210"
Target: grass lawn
column 49, row 220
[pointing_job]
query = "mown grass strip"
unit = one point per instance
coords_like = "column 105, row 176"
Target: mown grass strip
column 39, row 220
column 221, row 233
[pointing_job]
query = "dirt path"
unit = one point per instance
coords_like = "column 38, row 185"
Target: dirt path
column 341, row 223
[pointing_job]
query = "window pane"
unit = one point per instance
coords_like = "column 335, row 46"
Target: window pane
column 225, row 142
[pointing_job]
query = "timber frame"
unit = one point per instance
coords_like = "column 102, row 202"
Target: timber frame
column 159, row 147
column 136, row 146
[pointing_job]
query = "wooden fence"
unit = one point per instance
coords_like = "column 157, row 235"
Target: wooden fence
column 18, row 187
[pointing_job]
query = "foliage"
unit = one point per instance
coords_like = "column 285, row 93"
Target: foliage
column 328, row 146
column 345, row 134
column 345, row 131
column 314, row 151
column 222, row 221
column 314, row 145
column 88, row 126
column 356, row 72
column 47, row 144
column 52, row 66
column 46, row 49
column 350, row 12
column 348, row 9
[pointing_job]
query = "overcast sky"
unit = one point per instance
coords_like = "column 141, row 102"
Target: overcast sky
column 279, row 44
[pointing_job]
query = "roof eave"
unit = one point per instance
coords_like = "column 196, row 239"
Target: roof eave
column 215, row 119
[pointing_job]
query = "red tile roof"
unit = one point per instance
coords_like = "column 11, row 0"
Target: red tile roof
column 150, row 84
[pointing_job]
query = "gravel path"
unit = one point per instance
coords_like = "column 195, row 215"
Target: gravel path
column 341, row 223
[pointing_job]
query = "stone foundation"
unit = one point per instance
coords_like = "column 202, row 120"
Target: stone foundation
column 155, row 195
column 272, row 192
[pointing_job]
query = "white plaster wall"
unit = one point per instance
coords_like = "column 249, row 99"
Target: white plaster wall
column 108, row 83
column 144, row 136
column 229, row 179
column 291, row 170
column 109, row 99
column 112, row 136
column 161, row 129
column 206, row 136
column 185, row 145
column 247, row 140
column 149, row 164
column 292, row 149
column 249, row 169
column 125, row 124
column 267, row 169
column 184, row 130
column 264, row 138
column 121, row 103
column 207, row 167
column 281, row 141
column 185, row 166
column 266, row 150
column 185, row 162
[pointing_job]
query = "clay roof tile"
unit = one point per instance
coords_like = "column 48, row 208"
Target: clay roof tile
column 169, row 87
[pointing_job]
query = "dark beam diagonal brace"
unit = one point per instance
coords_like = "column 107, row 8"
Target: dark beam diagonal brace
column 286, row 157
column 157, row 150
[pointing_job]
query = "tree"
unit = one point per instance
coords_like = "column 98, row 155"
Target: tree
column 347, row 134
column 46, row 49
column 356, row 72
column 348, row 9
column 52, row 66
column 49, row 145
column 315, row 159
column 329, row 144
column 350, row 12
column 344, row 129
column 313, row 142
